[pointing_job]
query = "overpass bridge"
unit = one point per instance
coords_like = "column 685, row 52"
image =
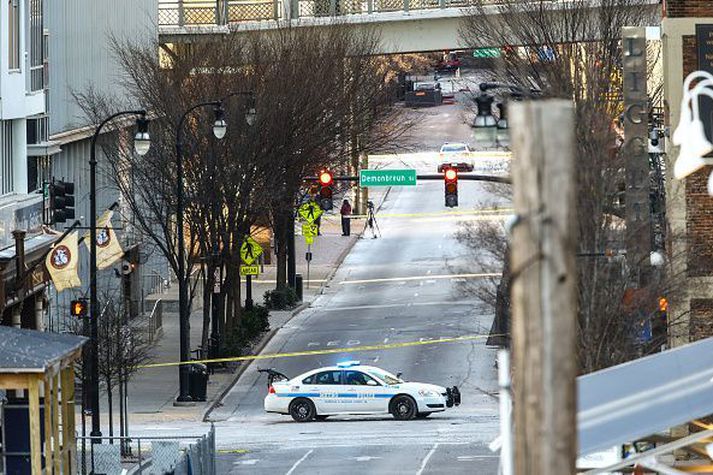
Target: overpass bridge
column 406, row 25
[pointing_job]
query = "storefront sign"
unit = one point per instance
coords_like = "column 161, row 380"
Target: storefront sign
column 704, row 47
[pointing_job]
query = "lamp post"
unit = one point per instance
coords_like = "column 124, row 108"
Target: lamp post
column 141, row 144
column 488, row 130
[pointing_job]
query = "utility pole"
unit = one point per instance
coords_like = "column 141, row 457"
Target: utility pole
column 544, row 288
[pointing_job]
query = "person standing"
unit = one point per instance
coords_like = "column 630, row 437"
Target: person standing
column 346, row 212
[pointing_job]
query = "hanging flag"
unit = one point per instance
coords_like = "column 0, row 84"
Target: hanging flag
column 62, row 262
column 108, row 248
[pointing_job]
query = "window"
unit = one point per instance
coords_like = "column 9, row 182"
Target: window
column 13, row 34
column 325, row 377
column 37, row 46
column 357, row 378
column 385, row 376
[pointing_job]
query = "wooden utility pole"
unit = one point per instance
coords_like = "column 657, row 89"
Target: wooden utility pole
column 544, row 288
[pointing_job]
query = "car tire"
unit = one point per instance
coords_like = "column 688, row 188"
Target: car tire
column 403, row 408
column 320, row 418
column 422, row 415
column 302, row 410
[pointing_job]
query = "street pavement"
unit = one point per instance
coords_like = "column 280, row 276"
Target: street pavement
column 399, row 287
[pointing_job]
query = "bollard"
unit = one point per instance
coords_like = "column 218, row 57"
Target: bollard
column 298, row 286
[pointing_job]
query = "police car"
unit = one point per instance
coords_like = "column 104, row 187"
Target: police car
column 350, row 388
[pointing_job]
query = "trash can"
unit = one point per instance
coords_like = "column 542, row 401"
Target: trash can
column 298, row 286
column 198, row 381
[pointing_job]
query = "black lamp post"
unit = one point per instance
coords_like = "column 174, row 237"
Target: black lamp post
column 141, row 144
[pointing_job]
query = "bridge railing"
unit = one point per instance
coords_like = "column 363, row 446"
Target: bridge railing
column 222, row 12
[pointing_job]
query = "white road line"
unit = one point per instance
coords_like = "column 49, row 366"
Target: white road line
column 299, row 462
column 246, row 462
column 425, row 460
column 386, row 340
column 396, row 305
column 475, row 457
column 422, row 277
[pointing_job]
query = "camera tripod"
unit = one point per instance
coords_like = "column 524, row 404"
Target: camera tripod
column 371, row 222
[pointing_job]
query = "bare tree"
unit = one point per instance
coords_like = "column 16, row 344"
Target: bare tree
column 575, row 53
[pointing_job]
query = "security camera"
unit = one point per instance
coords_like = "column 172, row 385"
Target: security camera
column 126, row 268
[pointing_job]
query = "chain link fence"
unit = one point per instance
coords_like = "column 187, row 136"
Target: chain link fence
column 179, row 455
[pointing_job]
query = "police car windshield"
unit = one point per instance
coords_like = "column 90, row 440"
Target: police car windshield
column 385, row 376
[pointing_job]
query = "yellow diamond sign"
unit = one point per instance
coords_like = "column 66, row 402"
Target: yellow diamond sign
column 250, row 251
column 310, row 211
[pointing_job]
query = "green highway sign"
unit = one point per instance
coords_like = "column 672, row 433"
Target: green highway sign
column 486, row 53
column 387, row 177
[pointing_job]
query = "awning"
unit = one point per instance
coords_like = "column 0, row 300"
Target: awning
column 645, row 396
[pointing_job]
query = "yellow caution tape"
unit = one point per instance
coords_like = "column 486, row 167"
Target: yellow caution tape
column 352, row 349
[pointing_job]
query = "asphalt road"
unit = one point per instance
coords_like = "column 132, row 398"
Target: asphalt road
column 400, row 287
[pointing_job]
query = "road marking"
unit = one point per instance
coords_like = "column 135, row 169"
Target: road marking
column 428, row 457
column 332, row 343
column 351, row 349
column 289, row 472
column 416, row 294
column 353, row 342
column 395, row 305
column 463, row 458
column 365, row 458
column 386, row 340
column 246, row 462
column 312, row 343
column 432, row 281
column 494, row 212
column 376, row 359
column 422, row 277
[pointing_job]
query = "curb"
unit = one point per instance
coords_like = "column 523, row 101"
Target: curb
column 270, row 334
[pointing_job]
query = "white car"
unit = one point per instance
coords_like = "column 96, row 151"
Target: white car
column 456, row 155
column 350, row 388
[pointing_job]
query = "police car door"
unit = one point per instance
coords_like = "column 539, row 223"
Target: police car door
column 365, row 394
column 328, row 385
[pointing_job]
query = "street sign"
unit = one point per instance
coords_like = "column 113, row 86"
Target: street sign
column 389, row 177
column 308, row 256
column 310, row 211
column 486, row 53
column 309, row 231
column 249, row 270
column 250, row 251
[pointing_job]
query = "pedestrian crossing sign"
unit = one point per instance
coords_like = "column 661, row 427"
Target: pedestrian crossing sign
column 249, row 270
column 250, row 251
column 309, row 231
column 310, row 211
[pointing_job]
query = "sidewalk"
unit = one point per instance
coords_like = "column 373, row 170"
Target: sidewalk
column 152, row 391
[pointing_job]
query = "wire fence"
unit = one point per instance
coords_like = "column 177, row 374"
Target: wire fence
column 197, row 13
column 179, row 455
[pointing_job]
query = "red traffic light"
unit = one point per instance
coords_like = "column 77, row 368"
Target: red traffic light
column 325, row 178
column 451, row 174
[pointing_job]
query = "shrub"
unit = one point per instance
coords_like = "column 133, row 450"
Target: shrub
column 252, row 323
column 281, row 299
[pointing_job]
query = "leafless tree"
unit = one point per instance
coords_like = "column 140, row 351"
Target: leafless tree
column 575, row 53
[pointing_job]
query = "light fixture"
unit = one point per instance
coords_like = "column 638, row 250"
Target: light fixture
column 656, row 259
column 251, row 116
column 484, row 123
column 502, row 134
column 219, row 126
column 142, row 141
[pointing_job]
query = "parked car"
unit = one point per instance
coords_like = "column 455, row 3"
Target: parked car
column 456, row 155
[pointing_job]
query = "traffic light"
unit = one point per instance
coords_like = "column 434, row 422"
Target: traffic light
column 451, row 177
column 326, row 181
column 78, row 308
column 62, row 201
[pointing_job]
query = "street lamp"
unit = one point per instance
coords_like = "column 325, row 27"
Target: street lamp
column 219, row 129
column 503, row 132
column 141, row 145
column 484, row 123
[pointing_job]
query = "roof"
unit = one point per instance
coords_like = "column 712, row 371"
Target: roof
column 645, row 396
column 32, row 351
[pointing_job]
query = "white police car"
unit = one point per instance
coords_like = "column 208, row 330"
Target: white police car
column 350, row 388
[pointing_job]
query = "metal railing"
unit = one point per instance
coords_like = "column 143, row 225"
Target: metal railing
column 179, row 455
column 155, row 320
column 189, row 13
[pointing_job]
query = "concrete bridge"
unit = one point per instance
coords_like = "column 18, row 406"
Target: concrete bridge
column 406, row 25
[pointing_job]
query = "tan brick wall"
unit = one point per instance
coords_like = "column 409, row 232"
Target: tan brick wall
column 688, row 8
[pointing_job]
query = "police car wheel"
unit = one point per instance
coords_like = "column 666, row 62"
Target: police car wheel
column 320, row 418
column 302, row 410
column 403, row 408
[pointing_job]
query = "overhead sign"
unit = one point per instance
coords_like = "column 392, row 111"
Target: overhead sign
column 309, row 231
column 249, row 270
column 250, row 251
column 310, row 211
column 389, row 177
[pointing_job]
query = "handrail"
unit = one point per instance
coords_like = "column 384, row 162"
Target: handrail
column 155, row 319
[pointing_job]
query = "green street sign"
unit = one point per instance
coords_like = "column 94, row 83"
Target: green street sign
column 387, row 177
column 486, row 53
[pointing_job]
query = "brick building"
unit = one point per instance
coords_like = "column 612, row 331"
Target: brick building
column 689, row 209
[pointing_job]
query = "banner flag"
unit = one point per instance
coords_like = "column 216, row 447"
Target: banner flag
column 62, row 263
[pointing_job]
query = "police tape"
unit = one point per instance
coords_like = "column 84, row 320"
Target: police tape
column 330, row 351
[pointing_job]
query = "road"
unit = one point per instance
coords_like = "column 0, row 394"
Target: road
column 400, row 287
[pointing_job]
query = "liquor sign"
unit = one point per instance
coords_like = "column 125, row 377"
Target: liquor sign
column 704, row 47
